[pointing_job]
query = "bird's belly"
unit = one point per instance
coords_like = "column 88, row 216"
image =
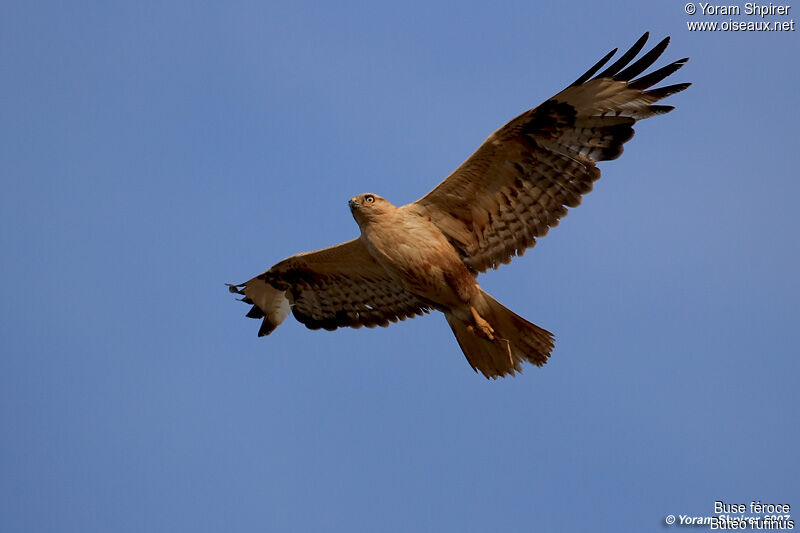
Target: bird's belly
column 424, row 262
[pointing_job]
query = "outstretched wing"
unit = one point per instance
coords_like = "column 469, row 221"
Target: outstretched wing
column 330, row 288
column 521, row 180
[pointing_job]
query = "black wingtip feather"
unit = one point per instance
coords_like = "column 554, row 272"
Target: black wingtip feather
column 643, row 62
column 266, row 328
column 625, row 58
column 236, row 289
column 255, row 312
column 589, row 73
column 663, row 92
column 661, row 109
column 657, row 75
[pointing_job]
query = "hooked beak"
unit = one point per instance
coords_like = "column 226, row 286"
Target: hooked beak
column 352, row 204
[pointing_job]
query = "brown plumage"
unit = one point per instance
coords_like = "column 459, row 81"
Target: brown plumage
column 513, row 189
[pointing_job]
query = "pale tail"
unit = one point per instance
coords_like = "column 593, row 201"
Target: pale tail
column 516, row 341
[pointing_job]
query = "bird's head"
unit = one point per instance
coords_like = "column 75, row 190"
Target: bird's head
column 365, row 207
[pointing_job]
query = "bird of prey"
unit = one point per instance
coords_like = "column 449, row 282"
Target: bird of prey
column 426, row 255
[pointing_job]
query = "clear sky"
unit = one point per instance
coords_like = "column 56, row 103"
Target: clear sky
column 152, row 151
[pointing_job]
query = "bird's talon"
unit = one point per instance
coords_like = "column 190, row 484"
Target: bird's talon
column 484, row 329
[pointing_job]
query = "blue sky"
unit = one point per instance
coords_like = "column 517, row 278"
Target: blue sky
column 151, row 152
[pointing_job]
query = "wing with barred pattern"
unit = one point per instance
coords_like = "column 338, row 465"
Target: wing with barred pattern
column 339, row 286
column 521, row 180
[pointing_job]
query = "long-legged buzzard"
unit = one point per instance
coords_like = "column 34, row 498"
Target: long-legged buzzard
column 427, row 254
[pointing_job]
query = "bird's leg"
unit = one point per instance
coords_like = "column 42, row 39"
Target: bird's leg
column 486, row 331
column 483, row 328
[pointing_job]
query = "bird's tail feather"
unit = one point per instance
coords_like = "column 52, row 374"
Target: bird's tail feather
column 515, row 340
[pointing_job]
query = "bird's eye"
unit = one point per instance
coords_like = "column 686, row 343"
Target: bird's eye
column 369, row 198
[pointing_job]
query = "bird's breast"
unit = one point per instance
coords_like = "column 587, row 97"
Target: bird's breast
column 418, row 255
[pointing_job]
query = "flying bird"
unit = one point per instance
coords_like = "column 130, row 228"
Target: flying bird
column 426, row 255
